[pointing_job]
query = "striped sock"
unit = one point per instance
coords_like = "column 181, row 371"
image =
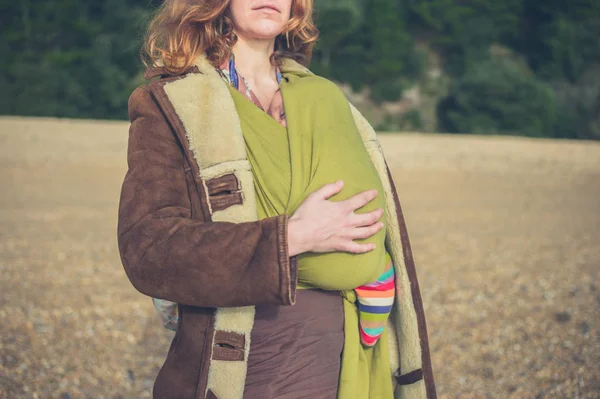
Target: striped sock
column 375, row 302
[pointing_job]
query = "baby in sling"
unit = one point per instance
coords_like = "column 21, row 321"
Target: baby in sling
column 334, row 124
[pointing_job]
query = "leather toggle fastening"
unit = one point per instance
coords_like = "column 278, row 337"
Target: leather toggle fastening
column 410, row 378
column 224, row 191
column 229, row 346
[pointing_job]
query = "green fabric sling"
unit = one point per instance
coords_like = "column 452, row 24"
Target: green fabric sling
column 321, row 145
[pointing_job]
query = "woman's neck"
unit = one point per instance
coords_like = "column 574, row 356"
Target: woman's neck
column 252, row 58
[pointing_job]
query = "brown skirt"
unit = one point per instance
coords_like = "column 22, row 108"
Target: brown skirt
column 295, row 351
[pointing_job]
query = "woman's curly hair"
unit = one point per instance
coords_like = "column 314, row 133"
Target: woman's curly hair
column 181, row 30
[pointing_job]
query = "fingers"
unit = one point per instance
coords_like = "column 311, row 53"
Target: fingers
column 330, row 189
column 359, row 200
column 356, row 248
column 366, row 219
column 365, row 232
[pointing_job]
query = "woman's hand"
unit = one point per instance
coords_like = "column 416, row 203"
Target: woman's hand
column 320, row 225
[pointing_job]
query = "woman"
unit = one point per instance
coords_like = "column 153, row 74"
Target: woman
column 195, row 226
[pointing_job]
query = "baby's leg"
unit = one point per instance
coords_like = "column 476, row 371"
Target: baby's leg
column 375, row 302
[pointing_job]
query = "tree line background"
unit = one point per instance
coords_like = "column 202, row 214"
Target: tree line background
column 526, row 67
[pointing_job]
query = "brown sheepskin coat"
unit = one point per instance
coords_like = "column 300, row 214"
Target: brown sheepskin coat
column 188, row 232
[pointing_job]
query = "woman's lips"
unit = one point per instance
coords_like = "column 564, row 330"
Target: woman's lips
column 267, row 9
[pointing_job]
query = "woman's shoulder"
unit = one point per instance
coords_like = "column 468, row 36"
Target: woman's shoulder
column 140, row 100
column 147, row 117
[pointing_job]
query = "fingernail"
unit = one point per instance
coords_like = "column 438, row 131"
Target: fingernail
column 339, row 182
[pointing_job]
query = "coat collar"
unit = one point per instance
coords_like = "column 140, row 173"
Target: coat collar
column 203, row 104
column 202, row 65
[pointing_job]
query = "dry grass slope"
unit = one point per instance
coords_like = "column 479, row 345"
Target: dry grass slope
column 505, row 230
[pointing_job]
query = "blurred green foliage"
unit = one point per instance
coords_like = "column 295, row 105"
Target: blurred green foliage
column 496, row 96
column 72, row 58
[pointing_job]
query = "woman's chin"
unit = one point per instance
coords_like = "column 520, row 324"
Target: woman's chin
column 266, row 31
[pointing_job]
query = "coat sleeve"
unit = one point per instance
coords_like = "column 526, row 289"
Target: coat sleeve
column 167, row 254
